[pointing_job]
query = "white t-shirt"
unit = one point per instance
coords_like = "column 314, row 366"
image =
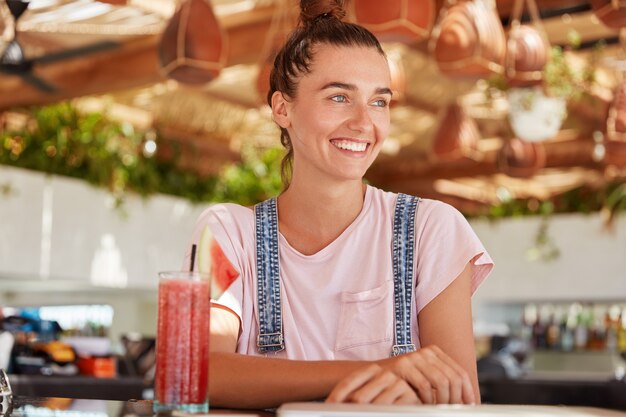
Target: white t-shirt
column 338, row 302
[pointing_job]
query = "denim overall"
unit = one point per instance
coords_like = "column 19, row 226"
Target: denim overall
column 270, row 337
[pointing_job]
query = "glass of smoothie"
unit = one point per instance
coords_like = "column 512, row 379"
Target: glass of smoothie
column 182, row 356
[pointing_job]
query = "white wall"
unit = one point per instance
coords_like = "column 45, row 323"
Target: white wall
column 53, row 228
column 591, row 265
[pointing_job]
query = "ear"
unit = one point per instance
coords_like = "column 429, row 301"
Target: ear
column 280, row 109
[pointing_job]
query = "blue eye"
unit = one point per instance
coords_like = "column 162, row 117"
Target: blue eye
column 381, row 103
column 339, row 99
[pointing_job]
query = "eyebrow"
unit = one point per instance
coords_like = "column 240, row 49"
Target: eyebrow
column 352, row 87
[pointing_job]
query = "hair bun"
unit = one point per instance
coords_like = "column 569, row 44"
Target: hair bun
column 312, row 10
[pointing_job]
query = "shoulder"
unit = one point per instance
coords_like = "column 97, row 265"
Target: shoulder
column 227, row 215
column 438, row 222
column 427, row 210
column 436, row 219
column 228, row 222
column 437, row 211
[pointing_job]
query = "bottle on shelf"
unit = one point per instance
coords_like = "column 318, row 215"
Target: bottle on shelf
column 581, row 334
column 612, row 324
column 553, row 337
column 597, row 331
column 621, row 332
column 568, row 327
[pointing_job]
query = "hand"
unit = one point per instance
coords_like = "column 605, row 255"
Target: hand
column 373, row 384
column 434, row 376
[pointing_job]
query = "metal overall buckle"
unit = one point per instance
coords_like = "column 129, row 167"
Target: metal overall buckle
column 6, row 394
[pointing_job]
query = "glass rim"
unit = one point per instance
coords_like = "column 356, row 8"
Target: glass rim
column 183, row 275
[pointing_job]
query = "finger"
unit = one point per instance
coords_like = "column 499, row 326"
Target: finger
column 431, row 367
column 467, row 390
column 352, row 382
column 416, row 379
column 453, row 384
column 373, row 388
column 409, row 398
column 394, row 392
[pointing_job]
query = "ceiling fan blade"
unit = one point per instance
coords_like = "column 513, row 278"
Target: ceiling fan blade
column 75, row 52
column 17, row 7
column 38, row 83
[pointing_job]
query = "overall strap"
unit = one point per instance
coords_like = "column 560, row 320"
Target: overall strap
column 403, row 248
column 270, row 337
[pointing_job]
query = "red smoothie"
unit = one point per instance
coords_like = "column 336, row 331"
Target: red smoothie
column 181, row 379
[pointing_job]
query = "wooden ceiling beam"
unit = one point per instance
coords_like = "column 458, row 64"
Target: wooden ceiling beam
column 130, row 65
column 559, row 154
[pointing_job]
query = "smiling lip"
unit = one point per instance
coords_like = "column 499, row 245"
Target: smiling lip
column 351, row 145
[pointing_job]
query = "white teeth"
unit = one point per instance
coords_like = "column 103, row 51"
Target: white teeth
column 350, row 146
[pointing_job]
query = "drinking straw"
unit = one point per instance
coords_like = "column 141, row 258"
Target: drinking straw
column 193, row 257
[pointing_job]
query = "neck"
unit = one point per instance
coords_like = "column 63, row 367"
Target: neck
column 314, row 213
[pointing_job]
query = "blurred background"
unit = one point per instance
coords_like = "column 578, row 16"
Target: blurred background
column 121, row 120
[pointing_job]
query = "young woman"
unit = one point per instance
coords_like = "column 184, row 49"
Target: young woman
column 340, row 290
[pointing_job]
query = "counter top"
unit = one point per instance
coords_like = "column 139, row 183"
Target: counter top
column 550, row 391
column 120, row 389
column 21, row 406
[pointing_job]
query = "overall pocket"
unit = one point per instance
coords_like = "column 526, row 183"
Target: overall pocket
column 366, row 317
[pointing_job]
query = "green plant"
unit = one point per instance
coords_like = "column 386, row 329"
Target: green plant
column 254, row 179
column 559, row 77
column 57, row 139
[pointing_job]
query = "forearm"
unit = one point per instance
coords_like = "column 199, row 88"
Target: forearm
column 241, row 381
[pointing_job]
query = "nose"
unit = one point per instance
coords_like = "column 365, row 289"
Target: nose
column 360, row 119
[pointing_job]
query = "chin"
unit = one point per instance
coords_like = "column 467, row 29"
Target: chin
column 351, row 176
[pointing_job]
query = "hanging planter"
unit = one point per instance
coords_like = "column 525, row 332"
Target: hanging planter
column 468, row 40
column 457, row 136
column 521, row 159
column 193, row 47
column 611, row 12
column 406, row 21
column 535, row 117
column 528, row 48
column 527, row 55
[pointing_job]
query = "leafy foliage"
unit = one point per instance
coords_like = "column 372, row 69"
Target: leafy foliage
column 255, row 179
column 57, row 139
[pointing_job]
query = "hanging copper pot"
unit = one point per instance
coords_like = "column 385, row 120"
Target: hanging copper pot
column 615, row 144
column 406, row 21
column 193, row 46
column 457, row 136
column 611, row 12
column 468, row 40
column 527, row 55
column 528, row 48
column 521, row 159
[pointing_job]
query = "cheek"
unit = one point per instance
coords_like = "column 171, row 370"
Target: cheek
column 383, row 125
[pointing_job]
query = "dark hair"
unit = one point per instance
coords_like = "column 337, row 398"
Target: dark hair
column 320, row 23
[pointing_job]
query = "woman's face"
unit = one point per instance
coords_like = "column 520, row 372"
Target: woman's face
column 340, row 116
